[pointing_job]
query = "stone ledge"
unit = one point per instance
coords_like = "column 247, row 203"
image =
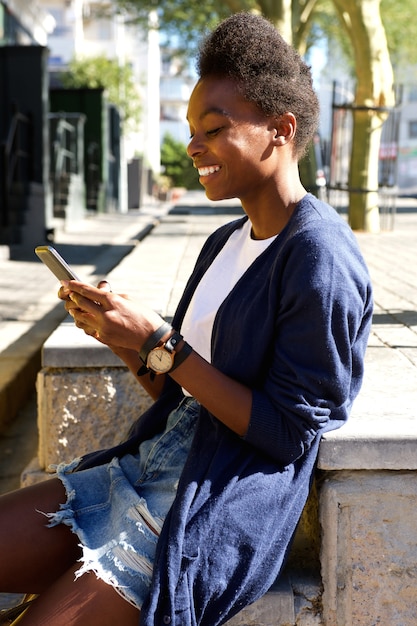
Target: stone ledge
column 369, row 552
column 68, row 347
column 389, row 444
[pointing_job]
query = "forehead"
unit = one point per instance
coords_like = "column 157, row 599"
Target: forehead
column 220, row 96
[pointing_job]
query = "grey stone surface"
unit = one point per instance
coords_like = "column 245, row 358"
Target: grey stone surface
column 67, row 347
column 276, row 607
column 80, row 410
column 369, row 548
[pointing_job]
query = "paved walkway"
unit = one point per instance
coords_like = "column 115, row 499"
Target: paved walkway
column 390, row 384
column 156, row 270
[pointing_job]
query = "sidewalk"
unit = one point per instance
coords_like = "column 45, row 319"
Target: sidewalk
column 390, row 384
column 30, row 310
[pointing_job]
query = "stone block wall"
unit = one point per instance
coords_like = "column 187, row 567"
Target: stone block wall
column 369, row 548
column 87, row 400
column 80, row 410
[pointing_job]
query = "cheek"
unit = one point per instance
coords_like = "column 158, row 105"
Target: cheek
column 253, row 152
column 257, row 141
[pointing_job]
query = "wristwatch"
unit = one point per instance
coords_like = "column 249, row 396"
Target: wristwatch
column 163, row 359
column 154, row 340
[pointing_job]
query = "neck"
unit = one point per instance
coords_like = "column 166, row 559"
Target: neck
column 270, row 215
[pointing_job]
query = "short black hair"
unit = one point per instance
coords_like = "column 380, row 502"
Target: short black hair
column 248, row 49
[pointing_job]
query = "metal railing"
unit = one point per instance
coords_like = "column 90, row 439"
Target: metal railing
column 16, row 171
column 343, row 108
column 67, row 153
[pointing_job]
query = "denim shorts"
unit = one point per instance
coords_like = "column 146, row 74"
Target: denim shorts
column 117, row 510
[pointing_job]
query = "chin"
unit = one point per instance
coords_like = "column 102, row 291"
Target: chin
column 214, row 196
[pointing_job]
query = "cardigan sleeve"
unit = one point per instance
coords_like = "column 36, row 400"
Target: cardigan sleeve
column 321, row 328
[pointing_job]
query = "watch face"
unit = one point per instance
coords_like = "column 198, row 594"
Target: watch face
column 160, row 361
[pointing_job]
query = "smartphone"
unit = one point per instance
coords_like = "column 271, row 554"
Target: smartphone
column 56, row 263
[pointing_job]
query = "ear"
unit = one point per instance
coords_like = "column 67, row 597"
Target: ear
column 285, row 126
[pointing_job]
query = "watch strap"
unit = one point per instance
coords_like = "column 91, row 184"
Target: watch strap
column 173, row 341
column 142, row 371
column 153, row 340
column 181, row 356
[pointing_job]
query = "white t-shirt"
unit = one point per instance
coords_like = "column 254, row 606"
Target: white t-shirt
column 231, row 263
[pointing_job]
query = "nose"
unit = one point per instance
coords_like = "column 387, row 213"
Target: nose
column 195, row 147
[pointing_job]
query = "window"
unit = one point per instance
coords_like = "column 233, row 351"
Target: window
column 412, row 94
column 412, row 129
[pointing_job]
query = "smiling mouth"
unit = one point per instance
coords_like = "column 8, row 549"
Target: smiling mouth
column 206, row 171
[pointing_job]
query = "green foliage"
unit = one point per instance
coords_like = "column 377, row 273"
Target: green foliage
column 183, row 21
column 117, row 80
column 186, row 20
column 177, row 164
column 401, row 31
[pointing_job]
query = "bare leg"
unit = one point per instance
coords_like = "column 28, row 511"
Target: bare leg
column 87, row 601
column 32, row 555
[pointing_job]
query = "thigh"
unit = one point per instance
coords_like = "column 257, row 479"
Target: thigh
column 33, row 555
column 86, row 601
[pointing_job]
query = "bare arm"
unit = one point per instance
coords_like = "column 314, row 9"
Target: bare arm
column 124, row 326
column 227, row 399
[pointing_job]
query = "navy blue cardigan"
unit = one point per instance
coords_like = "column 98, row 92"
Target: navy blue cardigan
column 294, row 329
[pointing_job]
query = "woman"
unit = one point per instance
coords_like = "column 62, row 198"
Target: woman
column 191, row 518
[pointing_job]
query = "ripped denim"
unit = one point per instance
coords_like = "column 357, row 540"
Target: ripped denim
column 117, row 510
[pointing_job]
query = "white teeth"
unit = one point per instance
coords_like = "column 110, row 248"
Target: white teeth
column 205, row 171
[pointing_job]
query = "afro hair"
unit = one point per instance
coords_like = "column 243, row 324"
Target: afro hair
column 248, row 49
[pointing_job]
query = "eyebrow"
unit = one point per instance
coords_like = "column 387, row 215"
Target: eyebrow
column 213, row 109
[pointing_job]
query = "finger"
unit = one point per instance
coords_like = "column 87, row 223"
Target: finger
column 63, row 293
column 74, row 310
column 104, row 285
column 85, row 325
column 83, row 307
column 87, row 293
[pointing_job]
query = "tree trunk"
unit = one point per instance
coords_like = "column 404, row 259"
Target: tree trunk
column 374, row 97
column 280, row 14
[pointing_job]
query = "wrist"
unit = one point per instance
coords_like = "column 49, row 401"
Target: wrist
column 166, row 355
column 165, row 330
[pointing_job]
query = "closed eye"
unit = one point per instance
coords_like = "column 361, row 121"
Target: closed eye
column 214, row 131
column 210, row 133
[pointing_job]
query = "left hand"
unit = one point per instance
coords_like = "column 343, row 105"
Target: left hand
column 112, row 319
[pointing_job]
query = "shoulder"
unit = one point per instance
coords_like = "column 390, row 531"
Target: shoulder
column 316, row 227
column 319, row 249
column 316, row 219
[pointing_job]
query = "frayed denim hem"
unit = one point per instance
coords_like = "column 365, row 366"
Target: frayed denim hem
column 117, row 562
column 117, row 509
